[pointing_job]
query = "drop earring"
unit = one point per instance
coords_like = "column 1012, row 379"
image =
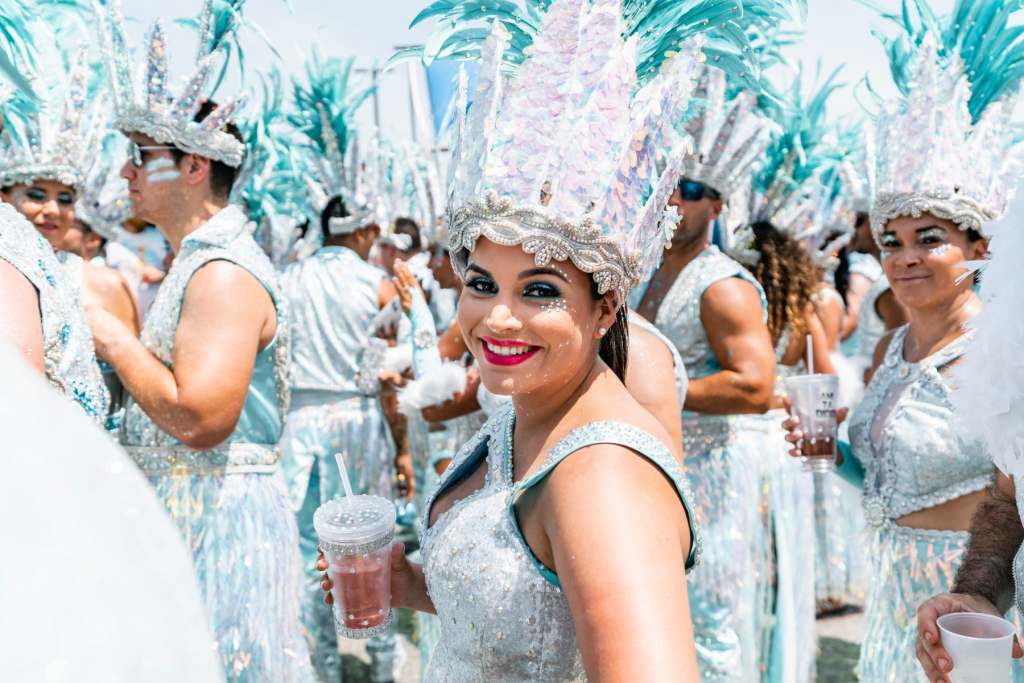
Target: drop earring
column 601, row 332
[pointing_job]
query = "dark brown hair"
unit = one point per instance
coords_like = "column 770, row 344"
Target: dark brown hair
column 222, row 176
column 614, row 349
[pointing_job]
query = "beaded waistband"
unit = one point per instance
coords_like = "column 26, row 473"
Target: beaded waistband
column 235, row 458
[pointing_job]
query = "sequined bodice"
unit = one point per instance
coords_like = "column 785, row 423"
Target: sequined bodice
column 678, row 315
column 503, row 615
column 225, row 237
column 332, row 298
column 69, row 358
column 904, row 434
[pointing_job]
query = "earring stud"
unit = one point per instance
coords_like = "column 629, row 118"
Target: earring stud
column 601, row 331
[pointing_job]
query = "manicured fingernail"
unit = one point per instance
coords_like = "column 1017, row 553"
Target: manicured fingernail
column 944, row 664
column 929, row 636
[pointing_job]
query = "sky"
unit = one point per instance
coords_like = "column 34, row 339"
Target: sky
column 838, row 33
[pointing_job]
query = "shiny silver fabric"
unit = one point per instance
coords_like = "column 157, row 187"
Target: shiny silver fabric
column 914, row 458
column 332, row 298
column 69, row 359
column 230, row 503
column 869, row 267
column 722, row 470
column 502, row 618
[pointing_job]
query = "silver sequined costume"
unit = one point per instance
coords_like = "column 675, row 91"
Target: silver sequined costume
column 68, row 355
column 722, row 471
column 230, row 502
column 903, row 434
column 332, row 297
column 503, row 615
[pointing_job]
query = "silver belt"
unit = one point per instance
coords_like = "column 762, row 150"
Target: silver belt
column 236, row 458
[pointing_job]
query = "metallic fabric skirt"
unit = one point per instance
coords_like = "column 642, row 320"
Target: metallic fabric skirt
column 906, row 566
column 236, row 520
column 839, row 532
column 721, row 470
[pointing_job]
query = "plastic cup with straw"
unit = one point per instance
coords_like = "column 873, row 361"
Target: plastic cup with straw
column 815, row 399
column 355, row 534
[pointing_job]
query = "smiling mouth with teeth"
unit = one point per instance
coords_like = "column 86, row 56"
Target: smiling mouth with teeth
column 506, row 352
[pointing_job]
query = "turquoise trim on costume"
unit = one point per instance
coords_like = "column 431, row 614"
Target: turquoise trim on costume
column 632, row 438
column 851, row 470
column 426, row 357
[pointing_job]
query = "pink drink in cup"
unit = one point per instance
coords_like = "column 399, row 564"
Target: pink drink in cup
column 815, row 400
column 355, row 535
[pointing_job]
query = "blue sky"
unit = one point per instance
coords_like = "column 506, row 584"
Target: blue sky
column 838, row 32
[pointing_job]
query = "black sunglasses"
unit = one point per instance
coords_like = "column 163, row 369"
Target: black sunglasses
column 692, row 191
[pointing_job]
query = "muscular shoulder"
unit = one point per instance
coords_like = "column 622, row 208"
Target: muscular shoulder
column 224, row 284
column 732, row 298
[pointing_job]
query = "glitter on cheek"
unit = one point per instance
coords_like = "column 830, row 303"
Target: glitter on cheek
column 885, row 254
column 942, row 249
column 558, row 304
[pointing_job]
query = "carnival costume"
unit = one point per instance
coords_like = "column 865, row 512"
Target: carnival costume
column 38, row 144
column 540, row 164
column 942, row 149
column 333, row 300
column 229, row 502
column 722, row 458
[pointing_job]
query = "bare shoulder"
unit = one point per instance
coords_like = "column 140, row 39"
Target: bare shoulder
column 608, row 472
column 647, row 352
column 104, row 279
column 227, row 283
column 731, row 298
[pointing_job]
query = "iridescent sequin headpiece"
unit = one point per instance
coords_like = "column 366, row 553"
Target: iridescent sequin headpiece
column 155, row 112
column 103, row 202
column 730, row 135
column 945, row 145
column 45, row 145
column 48, row 126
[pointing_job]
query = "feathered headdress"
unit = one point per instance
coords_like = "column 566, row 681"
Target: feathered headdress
column 790, row 190
column 49, row 131
column 945, row 146
column 326, row 105
column 562, row 157
column 155, row 111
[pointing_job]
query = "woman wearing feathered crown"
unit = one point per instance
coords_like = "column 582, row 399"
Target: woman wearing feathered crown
column 557, row 541
column 44, row 316
column 943, row 172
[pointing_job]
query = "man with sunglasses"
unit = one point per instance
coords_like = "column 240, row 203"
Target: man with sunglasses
column 713, row 310
column 208, row 388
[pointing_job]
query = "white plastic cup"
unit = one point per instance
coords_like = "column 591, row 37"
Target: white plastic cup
column 979, row 645
column 815, row 400
column 355, row 534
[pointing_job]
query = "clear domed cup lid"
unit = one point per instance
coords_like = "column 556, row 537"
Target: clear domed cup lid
column 355, row 524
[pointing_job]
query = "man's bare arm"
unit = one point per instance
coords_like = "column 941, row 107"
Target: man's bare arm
column 731, row 313
column 996, row 535
column 215, row 346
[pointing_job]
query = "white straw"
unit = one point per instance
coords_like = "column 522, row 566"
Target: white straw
column 340, row 459
column 810, row 355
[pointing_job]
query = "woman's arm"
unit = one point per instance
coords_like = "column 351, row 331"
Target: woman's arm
column 619, row 541
column 21, row 324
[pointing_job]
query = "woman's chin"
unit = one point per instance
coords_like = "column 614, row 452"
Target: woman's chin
column 499, row 386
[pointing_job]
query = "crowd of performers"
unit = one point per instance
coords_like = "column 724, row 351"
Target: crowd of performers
column 560, row 352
